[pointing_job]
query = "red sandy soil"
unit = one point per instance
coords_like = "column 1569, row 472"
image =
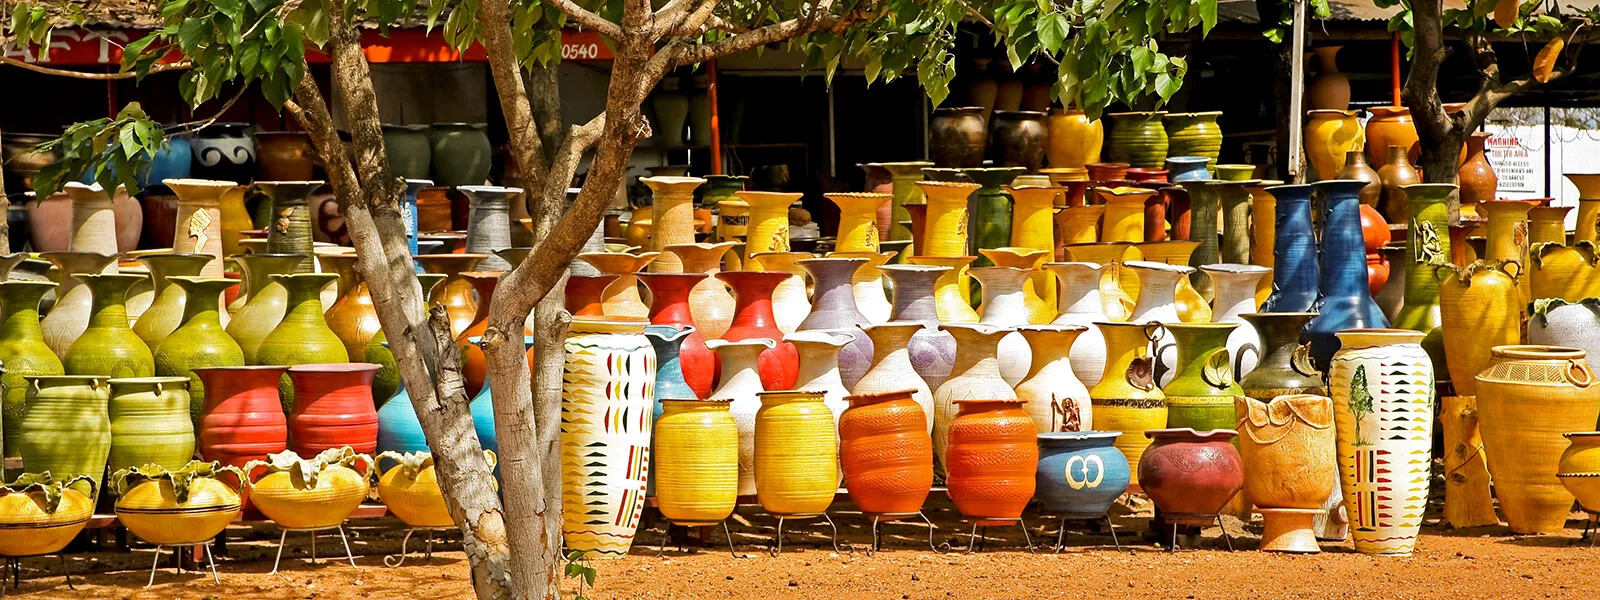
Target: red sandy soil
column 1480, row 563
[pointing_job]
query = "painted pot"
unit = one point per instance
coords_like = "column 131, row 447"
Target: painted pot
column 1295, row 271
column 1391, row 126
column 610, row 369
column 175, row 506
column 1158, row 284
column 1137, row 138
column 991, row 460
column 199, row 220
column 1127, row 399
column 150, row 423
column 1381, row 382
column 243, row 419
column 1193, row 134
column 1201, row 394
column 769, row 221
column 858, row 220
column 462, row 154
column 976, row 375
column 1527, row 398
column 314, row 493
column 1285, row 367
column 1346, row 298
column 303, row 336
column 23, row 353
column 108, row 347
column 42, row 513
column 69, row 315
column 753, row 319
column 333, row 408
column 410, row 489
column 1427, row 248
column 223, row 151
column 1234, row 295
column 947, row 223
column 67, row 427
column 1038, row 289
column 620, row 298
column 1479, row 310
column 1288, row 448
column 711, row 305
column 834, row 309
column 1191, row 475
column 1074, row 140
column 958, row 137
column 352, row 317
column 1051, row 393
column 268, row 300
column 886, row 452
column 796, row 453
column 695, row 461
column 1080, row 473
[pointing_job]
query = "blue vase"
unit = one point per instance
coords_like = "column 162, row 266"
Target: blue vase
column 1344, row 300
column 482, row 408
column 398, row 427
column 1187, row 168
column 408, row 214
column 667, row 341
column 1294, row 252
column 172, row 162
column 1080, row 473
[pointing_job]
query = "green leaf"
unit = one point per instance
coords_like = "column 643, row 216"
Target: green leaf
column 1208, row 15
column 1052, row 30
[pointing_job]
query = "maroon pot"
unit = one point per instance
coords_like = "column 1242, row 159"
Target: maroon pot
column 1103, row 172
column 1191, row 474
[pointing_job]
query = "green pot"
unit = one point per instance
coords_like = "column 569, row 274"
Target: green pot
column 150, row 423
column 66, row 428
column 410, row 151
column 1285, row 365
column 903, row 176
column 1234, row 198
column 290, row 229
column 1137, row 138
column 166, row 311
column 1201, row 394
column 1427, row 247
column 461, row 154
column 303, row 336
column 68, row 316
column 387, row 382
column 989, row 225
column 268, row 299
column 1193, row 134
column 22, row 351
column 200, row 341
column 109, row 347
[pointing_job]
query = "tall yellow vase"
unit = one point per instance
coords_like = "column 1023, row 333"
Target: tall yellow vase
column 1127, row 398
column 1329, row 135
column 858, row 220
column 1263, row 232
column 797, row 453
column 1588, row 205
column 1508, row 238
column 1032, row 217
column 672, row 218
column 945, row 231
column 1080, row 224
column 696, row 461
column 1124, row 217
column 769, row 221
column 1074, row 140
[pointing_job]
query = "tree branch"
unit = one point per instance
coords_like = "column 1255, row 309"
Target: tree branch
column 587, row 19
column 177, row 66
column 819, row 18
column 526, row 146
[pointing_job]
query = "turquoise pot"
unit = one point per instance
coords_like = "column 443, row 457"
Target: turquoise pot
column 398, row 427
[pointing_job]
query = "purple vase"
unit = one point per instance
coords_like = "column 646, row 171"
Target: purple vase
column 833, row 309
column 933, row 351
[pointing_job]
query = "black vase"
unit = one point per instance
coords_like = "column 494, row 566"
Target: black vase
column 957, row 137
column 224, row 152
column 1017, row 139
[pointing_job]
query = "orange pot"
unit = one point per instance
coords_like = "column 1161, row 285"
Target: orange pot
column 887, row 453
column 1391, row 126
column 991, row 459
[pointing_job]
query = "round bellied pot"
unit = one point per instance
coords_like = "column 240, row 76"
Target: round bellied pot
column 165, row 312
column 1381, row 382
column 1479, row 310
column 461, row 154
column 738, row 383
column 150, row 423
column 410, row 152
column 976, row 374
column 1190, row 475
column 1201, row 393
column 66, row 429
column 267, row 299
column 352, row 317
column 932, row 352
column 1391, row 126
column 834, row 309
column 710, row 303
column 410, row 489
column 284, row 156
column 958, row 137
column 1396, row 175
column 242, row 420
column 108, row 346
column 991, row 460
column 1556, row 322
column 1193, row 134
column 1137, row 138
column 1017, row 139
column 225, row 152
column 695, row 461
column 22, row 352
column 1051, row 392
column 177, row 506
column 1127, row 398
column 1080, row 473
column 1529, row 396
column 1579, row 469
column 41, row 512
column 1074, row 140
column 1330, row 89
column 1356, row 167
column 614, row 370
column 1288, row 446
column 303, row 336
column 886, row 452
column 309, row 493
column 796, row 453
column 290, row 229
column 894, row 365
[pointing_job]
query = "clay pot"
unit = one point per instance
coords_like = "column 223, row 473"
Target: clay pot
column 769, row 221
column 108, row 346
column 315, row 493
column 433, row 209
column 1051, row 393
column 102, row 222
column 1193, row 134
column 952, row 290
column 1294, row 251
column 333, row 408
column 1201, row 393
column 1074, row 140
column 1356, row 167
column 66, row 430
column 1396, row 174
column 223, row 151
column 268, row 299
column 796, row 453
column 1017, row 139
column 1346, row 296
column 165, row 312
column 710, row 303
column 284, row 156
column 931, row 351
column 893, row 368
column 150, row 423
column 753, row 319
column 958, row 137
column 790, row 304
column 303, row 336
column 1127, row 399
column 613, row 475
column 1330, row 89
column 290, row 230
column 410, row 489
column 410, row 152
column 1527, row 398
column 1288, row 449
column 1079, row 298
column 461, row 154
column 1123, row 220
column 49, row 222
column 1375, row 234
column 695, row 461
column 1105, row 172
column 670, row 305
column 43, row 512
column 886, row 452
column 243, row 419
column 976, row 374
column 1330, row 134
column 1476, row 176
column 1479, row 309
column 991, row 460
column 1579, row 468
column 22, row 348
column 834, row 309
column 1137, row 138
column 1191, row 475
column 475, row 364
column 23, row 160
column 1391, row 126
column 620, row 298
column 1080, row 473
column 1187, row 168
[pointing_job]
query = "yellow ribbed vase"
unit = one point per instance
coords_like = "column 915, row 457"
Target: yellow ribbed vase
column 769, row 221
column 858, row 220
column 696, row 461
column 797, row 453
column 1124, row 217
column 945, row 230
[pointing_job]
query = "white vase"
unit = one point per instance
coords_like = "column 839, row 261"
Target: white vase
column 1158, row 289
column 976, row 376
column 1052, row 394
column 1078, row 295
column 932, row 351
column 867, row 284
column 1557, row 323
column 790, row 302
column 892, row 370
column 1233, row 289
column 741, row 384
column 819, row 366
column 1004, row 305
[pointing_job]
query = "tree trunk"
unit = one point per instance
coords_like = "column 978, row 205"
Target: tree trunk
column 1466, row 479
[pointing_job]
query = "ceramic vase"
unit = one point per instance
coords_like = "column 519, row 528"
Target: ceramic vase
column 886, row 453
column 1294, row 252
column 1391, row 126
column 1289, row 449
column 66, row 429
column 695, row 461
column 489, row 223
column 790, row 303
column 1556, row 322
column 44, row 512
column 620, row 298
column 1330, row 133
column 98, row 224
column 858, row 220
column 672, row 208
column 976, row 374
column 23, row 352
column 947, row 226
column 410, row 489
column 165, row 312
column 462, row 153
column 1079, row 299
column 199, row 221
column 1396, row 175
column 303, row 336
column 1190, row 475
column 1508, row 239
column 268, row 300
column 1137, row 138
column 108, row 346
column 200, row 341
column 1032, row 218
column 243, row 419
column 1200, row 395
column 1126, row 399
column 150, row 423
column 1381, row 382
column 352, row 316
column 1080, row 474
column 1074, row 140
column 796, row 453
column 1577, row 468
column 931, row 351
column 1234, row 295
column 1330, row 89
column 1479, row 310
column 1427, row 248
column 1038, row 290
column 739, row 383
column 1004, row 306
column 951, row 291
column 753, row 319
column 1017, row 138
column 710, row 303
column 290, row 229
column 670, row 306
column 1123, row 220
column 1356, row 167
column 1193, row 134
column 908, row 190
column 769, row 221
column 1158, row 284
column 992, row 456
column 333, row 408
column 894, row 365
column 610, row 369
column 1051, row 392
column 819, row 366
column 1345, row 300
column 958, row 136
column 867, row 284
column 990, row 206
column 410, row 153
column 1527, row 398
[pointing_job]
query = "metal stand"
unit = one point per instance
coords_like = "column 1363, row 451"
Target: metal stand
column 777, row 545
column 975, row 543
column 1591, row 529
column 667, row 531
column 877, row 541
column 14, row 563
column 427, row 554
column 313, row 531
column 177, row 553
column 1061, row 532
column 1202, row 520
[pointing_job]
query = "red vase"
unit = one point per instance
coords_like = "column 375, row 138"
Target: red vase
column 990, row 460
column 753, row 318
column 1105, row 172
column 1076, row 190
column 242, row 419
column 1155, row 213
column 583, row 294
column 475, row 365
column 333, row 408
column 1191, row 474
column 669, row 305
column 886, row 452
column 1147, row 176
column 1178, row 213
column 1375, row 234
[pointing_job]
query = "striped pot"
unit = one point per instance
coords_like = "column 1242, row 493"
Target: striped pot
column 607, row 390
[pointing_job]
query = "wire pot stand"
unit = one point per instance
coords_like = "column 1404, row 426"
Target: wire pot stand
column 776, row 548
column 877, row 540
column 177, row 553
column 14, row 565
column 976, row 543
column 1061, row 531
column 666, row 533
column 1591, row 529
column 1202, row 519
column 313, row 531
column 392, row 560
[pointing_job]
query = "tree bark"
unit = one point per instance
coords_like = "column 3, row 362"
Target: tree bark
column 1467, row 502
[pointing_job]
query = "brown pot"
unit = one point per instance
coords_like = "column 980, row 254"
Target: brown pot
column 1395, row 174
column 991, row 460
column 886, row 452
column 1476, row 177
column 1191, row 474
column 1103, row 172
column 1017, row 139
column 285, row 156
column 50, row 222
column 1356, row 167
column 1391, row 126
column 957, row 137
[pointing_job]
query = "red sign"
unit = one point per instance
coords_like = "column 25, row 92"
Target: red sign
column 84, row 47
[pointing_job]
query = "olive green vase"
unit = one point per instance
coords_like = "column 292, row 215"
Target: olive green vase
column 166, row 311
column 257, row 318
column 1138, row 138
column 150, row 423
column 109, row 347
column 200, row 340
column 1201, row 394
column 22, row 351
column 290, row 229
column 303, row 336
column 67, row 428
column 1194, row 134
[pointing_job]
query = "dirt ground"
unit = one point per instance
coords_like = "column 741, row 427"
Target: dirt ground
column 1479, row 563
